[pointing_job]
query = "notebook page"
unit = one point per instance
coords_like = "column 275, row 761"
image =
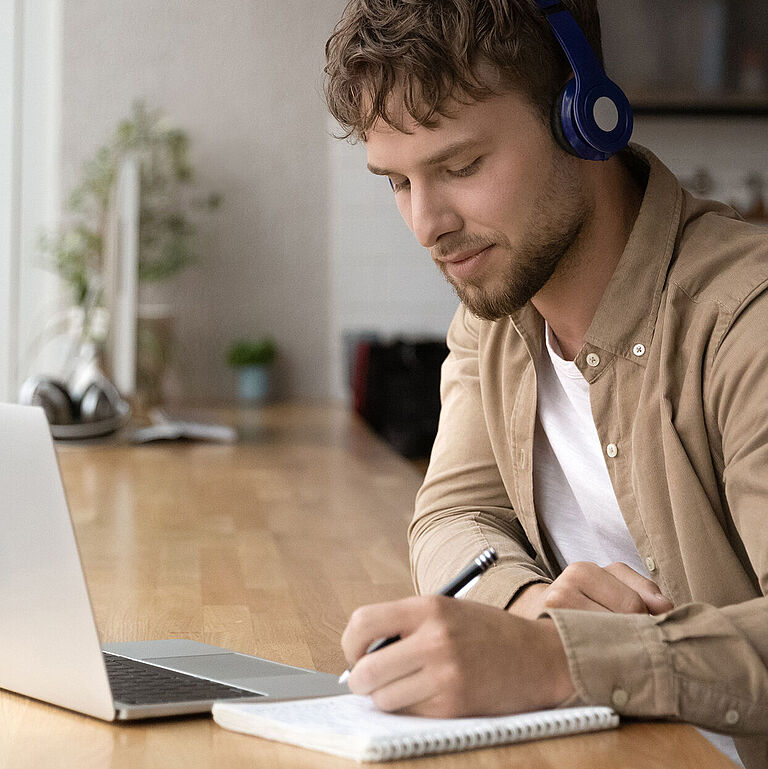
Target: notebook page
column 351, row 714
column 351, row 726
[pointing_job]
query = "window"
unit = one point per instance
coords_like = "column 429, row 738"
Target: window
column 9, row 193
column 29, row 107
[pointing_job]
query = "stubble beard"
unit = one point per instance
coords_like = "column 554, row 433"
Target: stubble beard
column 560, row 215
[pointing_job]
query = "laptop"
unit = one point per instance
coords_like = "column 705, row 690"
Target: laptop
column 49, row 645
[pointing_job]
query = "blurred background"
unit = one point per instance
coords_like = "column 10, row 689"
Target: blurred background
column 261, row 228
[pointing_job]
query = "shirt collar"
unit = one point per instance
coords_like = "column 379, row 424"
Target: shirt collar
column 625, row 318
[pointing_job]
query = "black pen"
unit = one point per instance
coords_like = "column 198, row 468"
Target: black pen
column 482, row 563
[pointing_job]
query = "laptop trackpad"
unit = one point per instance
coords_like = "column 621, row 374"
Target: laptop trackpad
column 229, row 666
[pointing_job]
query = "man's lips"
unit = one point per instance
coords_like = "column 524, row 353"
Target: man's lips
column 462, row 256
column 463, row 264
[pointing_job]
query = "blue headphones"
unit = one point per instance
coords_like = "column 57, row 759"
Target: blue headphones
column 592, row 118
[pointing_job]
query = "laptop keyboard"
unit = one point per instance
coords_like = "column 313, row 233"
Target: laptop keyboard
column 136, row 683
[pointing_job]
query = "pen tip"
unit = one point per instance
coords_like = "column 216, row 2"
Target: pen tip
column 343, row 677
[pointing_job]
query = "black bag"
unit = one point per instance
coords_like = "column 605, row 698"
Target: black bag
column 396, row 389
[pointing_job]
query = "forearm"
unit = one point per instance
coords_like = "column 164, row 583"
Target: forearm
column 442, row 543
column 463, row 507
column 700, row 664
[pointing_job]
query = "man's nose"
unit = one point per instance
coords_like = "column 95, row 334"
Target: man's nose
column 432, row 215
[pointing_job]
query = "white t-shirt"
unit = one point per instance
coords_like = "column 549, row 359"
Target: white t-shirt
column 575, row 502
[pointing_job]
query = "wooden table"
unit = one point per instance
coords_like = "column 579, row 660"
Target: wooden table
column 265, row 547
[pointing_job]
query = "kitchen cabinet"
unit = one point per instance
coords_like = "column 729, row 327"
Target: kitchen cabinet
column 688, row 56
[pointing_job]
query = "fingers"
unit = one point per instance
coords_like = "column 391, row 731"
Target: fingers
column 413, row 695
column 534, row 601
column 616, row 588
column 655, row 601
column 572, row 599
column 584, row 580
column 585, row 585
column 414, row 676
column 381, row 620
column 402, row 675
column 380, row 670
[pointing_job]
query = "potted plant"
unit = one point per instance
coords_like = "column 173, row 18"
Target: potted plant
column 166, row 228
column 253, row 359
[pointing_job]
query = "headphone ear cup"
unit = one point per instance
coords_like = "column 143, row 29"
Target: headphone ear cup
column 100, row 400
column 54, row 398
column 556, row 123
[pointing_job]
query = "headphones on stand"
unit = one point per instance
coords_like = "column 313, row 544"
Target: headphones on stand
column 90, row 407
column 591, row 117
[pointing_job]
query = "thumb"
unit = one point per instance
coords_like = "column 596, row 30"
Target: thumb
column 657, row 603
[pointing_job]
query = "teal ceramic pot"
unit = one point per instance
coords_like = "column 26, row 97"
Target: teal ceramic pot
column 254, row 383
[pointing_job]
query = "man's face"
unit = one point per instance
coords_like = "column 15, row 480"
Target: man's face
column 490, row 194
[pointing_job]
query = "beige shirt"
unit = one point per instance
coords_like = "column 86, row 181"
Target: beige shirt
column 677, row 362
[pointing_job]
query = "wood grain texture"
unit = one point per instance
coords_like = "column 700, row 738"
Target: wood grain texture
column 264, row 547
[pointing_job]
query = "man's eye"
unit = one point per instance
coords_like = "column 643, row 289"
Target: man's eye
column 468, row 170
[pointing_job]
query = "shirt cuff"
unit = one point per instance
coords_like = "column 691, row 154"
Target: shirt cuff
column 620, row 660
column 501, row 584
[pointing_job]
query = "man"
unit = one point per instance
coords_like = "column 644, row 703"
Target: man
column 605, row 401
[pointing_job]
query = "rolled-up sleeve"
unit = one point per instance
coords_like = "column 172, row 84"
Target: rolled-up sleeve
column 463, row 507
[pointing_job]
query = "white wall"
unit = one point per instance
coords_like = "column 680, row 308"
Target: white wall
column 243, row 78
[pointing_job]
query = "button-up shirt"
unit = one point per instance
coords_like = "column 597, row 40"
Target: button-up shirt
column 676, row 358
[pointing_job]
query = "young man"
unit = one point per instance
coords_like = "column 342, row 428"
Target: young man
column 605, row 400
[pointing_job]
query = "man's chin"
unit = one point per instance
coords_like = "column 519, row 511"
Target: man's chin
column 485, row 307
column 484, row 314
column 483, row 302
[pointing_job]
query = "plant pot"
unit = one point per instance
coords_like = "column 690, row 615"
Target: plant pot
column 154, row 347
column 254, row 383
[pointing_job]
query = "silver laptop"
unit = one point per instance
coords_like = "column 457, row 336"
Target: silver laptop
column 49, row 646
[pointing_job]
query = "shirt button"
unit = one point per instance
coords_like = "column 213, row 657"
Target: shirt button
column 611, row 450
column 650, row 563
column 639, row 350
column 619, row 698
column 593, row 359
column 732, row 717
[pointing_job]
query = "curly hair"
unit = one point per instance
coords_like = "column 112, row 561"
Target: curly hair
column 429, row 52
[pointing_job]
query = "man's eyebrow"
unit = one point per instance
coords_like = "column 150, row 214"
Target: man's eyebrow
column 446, row 153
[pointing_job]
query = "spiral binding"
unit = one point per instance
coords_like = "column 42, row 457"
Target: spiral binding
column 537, row 726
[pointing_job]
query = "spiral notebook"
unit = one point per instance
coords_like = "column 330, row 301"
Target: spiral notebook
column 352, row 727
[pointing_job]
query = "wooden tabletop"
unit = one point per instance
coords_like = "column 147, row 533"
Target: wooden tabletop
column 265, row 547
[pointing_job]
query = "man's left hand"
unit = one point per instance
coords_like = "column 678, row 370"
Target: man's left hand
column 455, row 658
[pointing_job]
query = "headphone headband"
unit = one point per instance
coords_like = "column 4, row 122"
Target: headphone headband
column 588, row 89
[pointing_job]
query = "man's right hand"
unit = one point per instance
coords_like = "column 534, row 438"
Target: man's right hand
column 587, row 586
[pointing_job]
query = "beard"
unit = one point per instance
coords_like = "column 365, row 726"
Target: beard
column 561, row 212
